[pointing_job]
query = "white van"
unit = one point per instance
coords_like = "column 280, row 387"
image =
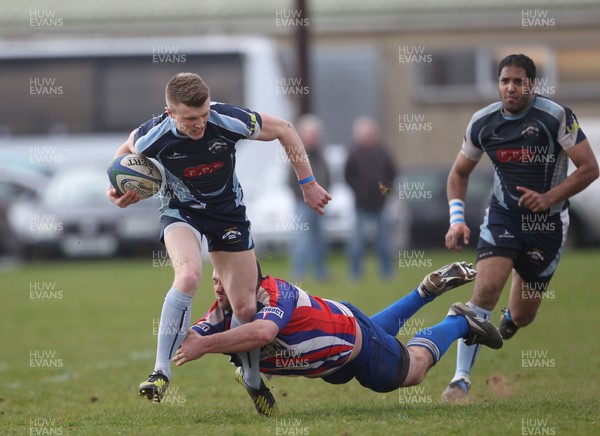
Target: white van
column 76, row 100
column 101, row 85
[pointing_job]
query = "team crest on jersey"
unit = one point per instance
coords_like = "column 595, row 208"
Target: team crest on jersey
column 530, row 129
column 217, row 145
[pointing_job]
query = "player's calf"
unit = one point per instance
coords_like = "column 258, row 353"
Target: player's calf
column 507, row 326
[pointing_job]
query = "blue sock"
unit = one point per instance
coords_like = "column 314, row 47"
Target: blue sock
column 467, row 354
column 172, row 329
column 250, row 361
column 393, row 317
column 437, row 339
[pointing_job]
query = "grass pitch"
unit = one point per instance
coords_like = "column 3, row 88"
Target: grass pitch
column 78, row 337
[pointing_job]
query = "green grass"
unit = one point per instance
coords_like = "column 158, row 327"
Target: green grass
column 97, row 321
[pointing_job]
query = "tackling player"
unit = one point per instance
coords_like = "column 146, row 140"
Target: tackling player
column 529, row 139
column 304, row 335
column 194, row 140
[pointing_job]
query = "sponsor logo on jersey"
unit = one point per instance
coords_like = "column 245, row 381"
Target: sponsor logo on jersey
column 506, row 235
column 526, row 155
column 205, row 327
column 573, row 126
column 202, row 169
column 496, row 137
column 274, row 310
column 176, row 155
column 506, row 155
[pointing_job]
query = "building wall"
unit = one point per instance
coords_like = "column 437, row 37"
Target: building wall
column 574, row 52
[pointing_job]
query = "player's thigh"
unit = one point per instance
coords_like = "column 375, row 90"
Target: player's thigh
column 524, row 301
column 183, row 245
column 492, row 274
column 239, row 275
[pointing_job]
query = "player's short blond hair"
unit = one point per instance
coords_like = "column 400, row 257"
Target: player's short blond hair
column 186, row 88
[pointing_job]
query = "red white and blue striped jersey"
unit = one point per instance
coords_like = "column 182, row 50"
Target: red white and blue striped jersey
column 316, row 336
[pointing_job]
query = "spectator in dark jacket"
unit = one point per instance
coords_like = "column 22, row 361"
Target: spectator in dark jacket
column 370, row 172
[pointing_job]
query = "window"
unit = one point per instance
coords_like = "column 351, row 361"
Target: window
column 471, row 75
column 101, row 94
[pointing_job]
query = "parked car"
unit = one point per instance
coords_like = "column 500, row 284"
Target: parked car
column 72, row 217
column 263, row 172
column 18, row 180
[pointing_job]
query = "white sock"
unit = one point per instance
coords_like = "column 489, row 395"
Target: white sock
column 250, row 361
column 467, row 354
column 172, row 329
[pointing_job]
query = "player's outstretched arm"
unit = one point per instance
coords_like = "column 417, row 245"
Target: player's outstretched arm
column 130, row 197
column 456, row 189
column 247, row 337
column 276, row 128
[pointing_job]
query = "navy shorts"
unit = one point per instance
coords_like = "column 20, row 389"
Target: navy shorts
column 382, row 363
column 223, row 231
column 534, row 241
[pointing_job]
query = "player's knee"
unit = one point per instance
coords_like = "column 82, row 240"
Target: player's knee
column 420, row 362
column 413, row 379
column 187, row 280
column 244, row 312
column 486, row 298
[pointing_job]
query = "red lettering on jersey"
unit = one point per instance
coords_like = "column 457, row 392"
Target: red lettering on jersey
column 202, row 169
column 505, row 155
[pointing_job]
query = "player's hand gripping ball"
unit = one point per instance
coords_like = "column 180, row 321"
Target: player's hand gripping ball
column 134, row 172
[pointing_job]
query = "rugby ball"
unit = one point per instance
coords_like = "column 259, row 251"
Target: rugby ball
column 134, row 172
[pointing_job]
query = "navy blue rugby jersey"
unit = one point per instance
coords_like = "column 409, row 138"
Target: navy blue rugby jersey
column 200, row 174
column 526, row 149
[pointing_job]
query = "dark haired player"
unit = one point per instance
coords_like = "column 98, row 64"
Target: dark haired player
column 529, row 139
column 305, row 335
column 194, row 140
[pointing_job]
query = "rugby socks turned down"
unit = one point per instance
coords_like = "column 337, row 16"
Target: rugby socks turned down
column 250, row 361
column 172, row 329
column 437, row 339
